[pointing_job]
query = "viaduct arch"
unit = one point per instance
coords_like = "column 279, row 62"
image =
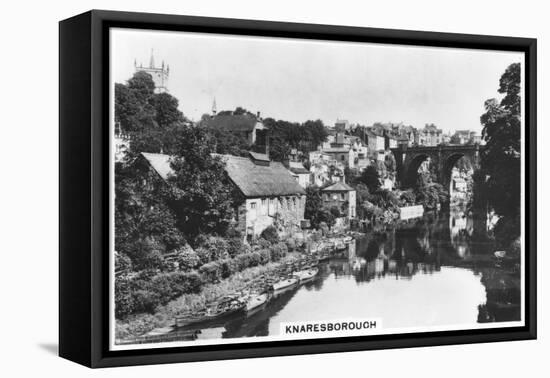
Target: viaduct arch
column 443, row 157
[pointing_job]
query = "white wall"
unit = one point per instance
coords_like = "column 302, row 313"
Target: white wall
column 29, row 214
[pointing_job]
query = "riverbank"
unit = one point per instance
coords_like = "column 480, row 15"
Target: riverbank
column 139, row 324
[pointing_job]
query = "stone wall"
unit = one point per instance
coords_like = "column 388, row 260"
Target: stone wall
column 256, row 214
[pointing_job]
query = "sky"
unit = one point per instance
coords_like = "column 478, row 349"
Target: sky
column 297, row 80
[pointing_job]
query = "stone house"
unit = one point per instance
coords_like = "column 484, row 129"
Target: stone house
column 300, row 173
column 342, row 155
column 376, row 144
column 342, row 196
column 269, row 192
column 430, row 135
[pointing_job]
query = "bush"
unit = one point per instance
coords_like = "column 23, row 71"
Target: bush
column 265, row 256
column 124, row 301
column 217, row 247
column 203, row 254
column 263, row 243
column 335, row 212
column 235, row 246
column 188, row 260
column 186, row 283
column 123, row 263
column 145, row 301
column 408, row 197
column 242, row 261
column 270, row 234
column 278, row 251
column 154, row 260
column 291, row 244
column 255, row 259
column 211, row 271
column 227, row 268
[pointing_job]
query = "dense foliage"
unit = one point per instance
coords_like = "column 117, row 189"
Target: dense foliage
column 315, row 210
column 200, row 190
column 286, row 135
column 501, row 158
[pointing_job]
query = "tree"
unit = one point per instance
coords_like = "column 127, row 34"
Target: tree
column 429, row 193
column 314, row 210
column 501, row 159
column 315, row 132
column 201, row 191
column 390, row 163
column 371, row 178
column 227, row 143
column 270, row 234
column 144, row 223
column 149, row 118
column 142, row 85
column 166, row 109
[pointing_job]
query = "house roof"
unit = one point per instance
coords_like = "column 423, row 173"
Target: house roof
column 261, row 180
column 234, row 123
column 297, row 168
column 371, row 133
column 338, row 187
column 259, row 156
column 160, row 163
column 253, row 180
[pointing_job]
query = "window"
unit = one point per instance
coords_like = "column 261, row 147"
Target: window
column 264, row 202
column 343, row 157
column 343, row 196
column 252, row 205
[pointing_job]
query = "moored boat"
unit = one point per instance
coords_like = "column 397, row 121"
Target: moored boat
column 307, row 274
column 256, row 301
column 283, row 284
column 212, row 313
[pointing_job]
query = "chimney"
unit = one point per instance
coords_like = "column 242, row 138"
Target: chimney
column 258, row 115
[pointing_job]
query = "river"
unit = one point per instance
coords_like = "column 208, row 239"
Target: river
column 435, row 271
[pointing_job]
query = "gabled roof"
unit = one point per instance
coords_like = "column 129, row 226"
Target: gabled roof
column 253, row 180
column 371, row 133
column 297, row 168
column 160, row 163
column 234, row 123
column 338, row 187
column 261, row 180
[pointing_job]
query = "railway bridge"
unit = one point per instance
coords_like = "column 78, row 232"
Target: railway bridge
column 443, row 157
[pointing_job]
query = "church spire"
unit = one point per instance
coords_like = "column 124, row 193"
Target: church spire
column 152, row 61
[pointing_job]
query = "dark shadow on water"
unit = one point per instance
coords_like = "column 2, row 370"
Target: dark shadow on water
column 52, row 348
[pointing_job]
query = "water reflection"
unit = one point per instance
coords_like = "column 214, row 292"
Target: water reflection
column 428, row 272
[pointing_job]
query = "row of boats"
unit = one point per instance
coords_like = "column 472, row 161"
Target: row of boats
column 248, row 301
column 325, row 246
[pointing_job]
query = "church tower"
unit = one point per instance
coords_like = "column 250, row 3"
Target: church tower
column 159, row 74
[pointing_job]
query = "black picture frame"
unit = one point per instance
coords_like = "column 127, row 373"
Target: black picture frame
column 84, row 194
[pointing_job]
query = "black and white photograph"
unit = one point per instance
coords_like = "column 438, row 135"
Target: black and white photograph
column 269, row 189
